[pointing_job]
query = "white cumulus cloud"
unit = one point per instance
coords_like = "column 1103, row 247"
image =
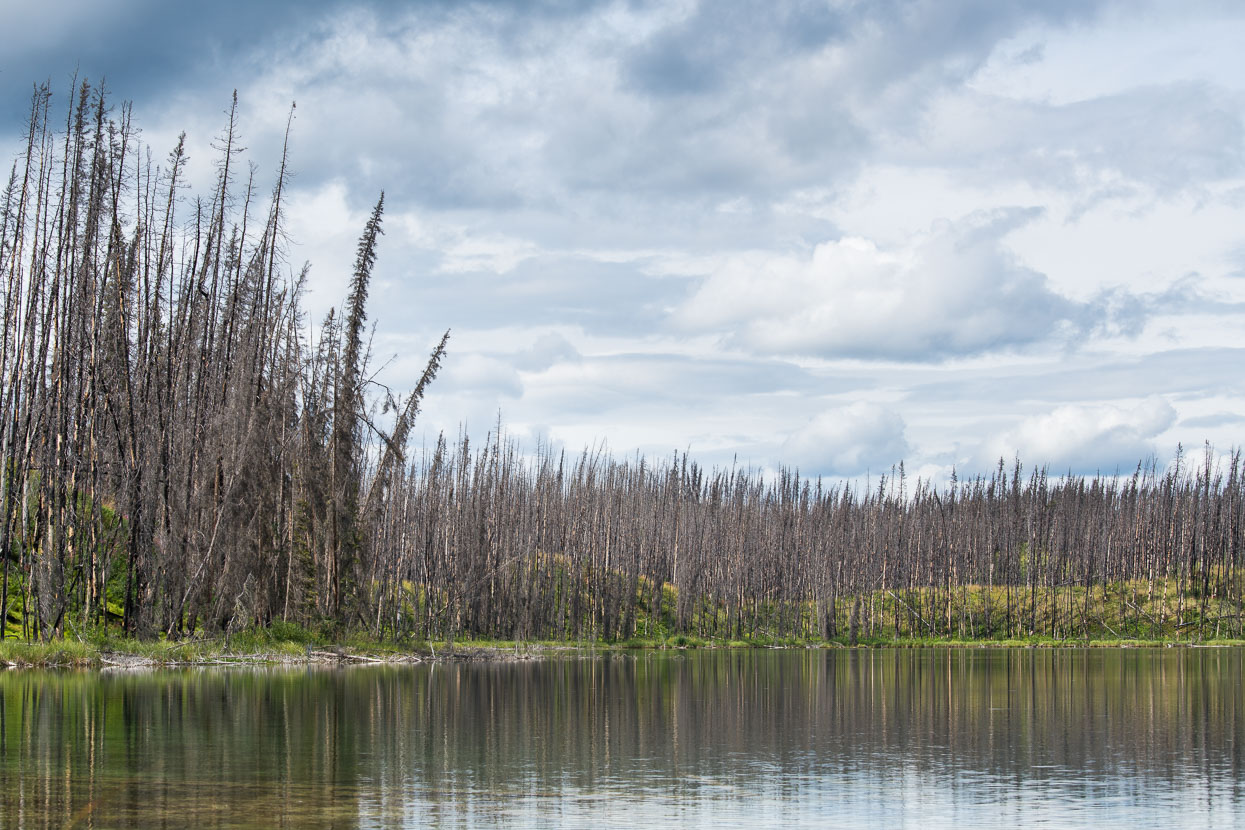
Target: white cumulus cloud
column 848, row 441
column 1084, row 438
column 953, row 291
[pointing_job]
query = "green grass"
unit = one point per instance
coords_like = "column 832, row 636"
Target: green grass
column 1134, row 611
column 1127, row 614
column 268, row 647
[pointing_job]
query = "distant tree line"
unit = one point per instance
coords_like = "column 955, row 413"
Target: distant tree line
column 488, row 542
column 183, row 454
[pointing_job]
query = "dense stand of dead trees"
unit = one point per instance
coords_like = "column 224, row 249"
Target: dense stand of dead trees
column 489, row 542
column 180, row 455
column 176, row 456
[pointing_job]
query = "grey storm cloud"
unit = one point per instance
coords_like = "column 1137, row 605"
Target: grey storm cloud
column 718, row 46
column 508, row 106
column 136, row 46
column 721, row 45
column 472, row 105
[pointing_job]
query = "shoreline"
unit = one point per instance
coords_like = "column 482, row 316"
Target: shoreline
column 72, row 654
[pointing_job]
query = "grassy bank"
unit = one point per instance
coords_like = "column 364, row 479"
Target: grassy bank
column 283, row 646
column 1123, row 614
column 277, row 646
column 1150, row 611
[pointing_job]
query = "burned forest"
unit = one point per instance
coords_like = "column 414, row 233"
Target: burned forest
column 179, row 453
column 184, row 453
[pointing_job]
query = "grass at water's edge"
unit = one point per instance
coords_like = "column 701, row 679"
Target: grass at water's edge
column 266, row 647
column 1133, row 613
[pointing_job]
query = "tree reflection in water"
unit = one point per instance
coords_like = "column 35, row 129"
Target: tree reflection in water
column 928, row 737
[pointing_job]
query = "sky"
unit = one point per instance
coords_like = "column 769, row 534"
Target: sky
column 830, row 236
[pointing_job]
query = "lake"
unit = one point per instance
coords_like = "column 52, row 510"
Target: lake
column 927, row 738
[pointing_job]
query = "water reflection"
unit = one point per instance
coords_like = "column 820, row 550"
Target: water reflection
column 933, row 738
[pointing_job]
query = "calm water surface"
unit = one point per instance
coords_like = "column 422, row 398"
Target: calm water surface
column 931, row 739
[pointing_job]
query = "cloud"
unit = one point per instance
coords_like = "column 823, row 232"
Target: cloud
column 477, row 374
column 713, row 45
column 590, row 107
column 1183, row 372
column 691, row 224
column 489, row 252
column 1217, row 419
column 1166, row 139
column 141, row 48
column 951, row 292
column 547, row 350
column 847, row 442
column 1084, row 438
column 596, row 384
